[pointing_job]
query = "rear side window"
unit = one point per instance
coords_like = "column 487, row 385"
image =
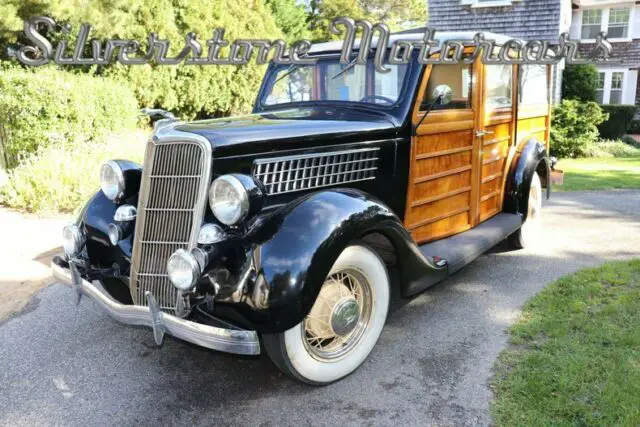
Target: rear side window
column 534, row 89
column 498, row 81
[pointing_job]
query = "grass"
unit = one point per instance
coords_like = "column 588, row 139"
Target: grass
column 574, row 357
column 599, row 174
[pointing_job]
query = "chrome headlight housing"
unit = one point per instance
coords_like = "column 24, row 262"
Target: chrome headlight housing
column 183, row 269
column 112, row 180
column 229, row 199
column 72, row 240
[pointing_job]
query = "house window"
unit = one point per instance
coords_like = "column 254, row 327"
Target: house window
column 591, row 23
column 615, row 96
column 499, row 86
column 618, row 23
column 600, row 88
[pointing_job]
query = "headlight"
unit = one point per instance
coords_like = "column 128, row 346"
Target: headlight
column 72, row 240
column 229, row 200
column 112, row 180
column 183, row 270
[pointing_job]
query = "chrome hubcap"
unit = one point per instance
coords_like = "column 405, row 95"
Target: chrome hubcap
column 345, row 316
column 339, row 317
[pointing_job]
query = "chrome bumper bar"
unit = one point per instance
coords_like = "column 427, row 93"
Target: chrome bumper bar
column 227, row 340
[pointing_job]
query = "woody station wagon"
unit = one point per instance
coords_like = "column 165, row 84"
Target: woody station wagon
column 274, row 231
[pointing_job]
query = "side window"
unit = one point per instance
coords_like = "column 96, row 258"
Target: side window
column 534, row 89
column 498, row 83
column 458, row 77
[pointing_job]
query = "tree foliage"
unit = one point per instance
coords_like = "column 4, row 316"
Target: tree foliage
column 397, row 14
column 190, row 91
column 580, row 82
column 291, row 18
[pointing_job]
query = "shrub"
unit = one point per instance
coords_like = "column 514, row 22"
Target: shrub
column 620, row 117
column 574, row 127
column 60, row 178
column 47, row 107
column 606, row 148
column 580, row 82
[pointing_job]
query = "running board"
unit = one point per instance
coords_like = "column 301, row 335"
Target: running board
column 461, row 249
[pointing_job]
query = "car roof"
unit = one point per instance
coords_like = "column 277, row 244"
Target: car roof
column 417, row 35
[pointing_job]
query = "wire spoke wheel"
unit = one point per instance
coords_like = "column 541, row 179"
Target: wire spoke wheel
column 339, row 316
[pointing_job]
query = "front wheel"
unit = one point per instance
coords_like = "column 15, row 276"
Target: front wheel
column 343, row 325
column 530, row 231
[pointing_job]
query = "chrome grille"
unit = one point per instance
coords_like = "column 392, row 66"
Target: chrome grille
column 295, row 173
column 171, row 204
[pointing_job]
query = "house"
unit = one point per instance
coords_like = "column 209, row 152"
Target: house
column 620, row 19
column 525, row 19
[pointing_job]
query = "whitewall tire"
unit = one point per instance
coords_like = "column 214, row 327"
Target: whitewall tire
column 530, row 232
column 342, row 327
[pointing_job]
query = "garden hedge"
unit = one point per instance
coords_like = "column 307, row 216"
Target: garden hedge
column 620, row 118
column 49, row 107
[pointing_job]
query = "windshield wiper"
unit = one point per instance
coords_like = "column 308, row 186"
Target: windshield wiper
column 290, row 70
column 349, row 66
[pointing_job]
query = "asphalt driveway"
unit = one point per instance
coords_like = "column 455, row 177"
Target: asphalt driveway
column 75, row 366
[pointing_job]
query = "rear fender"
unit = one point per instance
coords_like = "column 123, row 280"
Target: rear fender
column 532, row 158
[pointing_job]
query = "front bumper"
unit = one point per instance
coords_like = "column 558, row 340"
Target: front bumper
column 227, row 340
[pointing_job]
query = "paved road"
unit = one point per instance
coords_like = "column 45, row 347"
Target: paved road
column 74, row 366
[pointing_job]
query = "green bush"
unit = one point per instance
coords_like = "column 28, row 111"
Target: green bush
column 580, row 82
column 47, row 107
column 60, row 178
column 634, row 127
column 620, row 118
column 607, row 148
column 574, row 127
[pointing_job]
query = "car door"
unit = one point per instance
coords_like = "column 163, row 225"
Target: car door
column 445, row 167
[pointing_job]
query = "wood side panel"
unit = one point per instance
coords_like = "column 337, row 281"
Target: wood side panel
column 443, row 228
column 439, row 209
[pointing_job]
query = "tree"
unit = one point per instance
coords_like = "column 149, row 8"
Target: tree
column 580, row 82
column 189, row 91
column 291, row 18
column 397, row 14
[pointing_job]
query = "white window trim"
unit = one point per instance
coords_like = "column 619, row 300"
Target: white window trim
column 604, row 23
column 606, row 91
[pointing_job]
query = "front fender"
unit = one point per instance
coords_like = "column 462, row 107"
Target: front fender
column 532, row 158
column 300, row 243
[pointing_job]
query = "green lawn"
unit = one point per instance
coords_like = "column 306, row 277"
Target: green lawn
column 574, row 358
column 599, row 174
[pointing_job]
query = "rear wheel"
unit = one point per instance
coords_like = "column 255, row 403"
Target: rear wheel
column 343, row 325
column 530, row 231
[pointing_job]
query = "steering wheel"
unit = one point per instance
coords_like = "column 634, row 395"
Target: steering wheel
column 380, row 97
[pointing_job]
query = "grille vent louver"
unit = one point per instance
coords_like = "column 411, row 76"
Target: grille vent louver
column 296, row 173
column 170, row 210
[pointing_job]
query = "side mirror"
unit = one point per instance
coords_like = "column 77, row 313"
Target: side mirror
column 157, row 113
column 443, row 93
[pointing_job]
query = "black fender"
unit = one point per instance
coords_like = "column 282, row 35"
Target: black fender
column 299, row 244
column 532, row 158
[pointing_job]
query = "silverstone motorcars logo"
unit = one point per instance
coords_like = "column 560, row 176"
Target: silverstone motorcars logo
column 242, row 51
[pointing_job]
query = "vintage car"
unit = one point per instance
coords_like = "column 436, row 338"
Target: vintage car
column 275, row 231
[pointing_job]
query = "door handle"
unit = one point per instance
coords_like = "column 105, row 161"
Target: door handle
column 480, row 133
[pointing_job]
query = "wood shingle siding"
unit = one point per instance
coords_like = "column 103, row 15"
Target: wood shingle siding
column 525, row 19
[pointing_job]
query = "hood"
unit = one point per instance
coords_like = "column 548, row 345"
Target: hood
column 289, row 129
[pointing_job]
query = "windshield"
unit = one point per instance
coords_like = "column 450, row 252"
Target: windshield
column 329, row 80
